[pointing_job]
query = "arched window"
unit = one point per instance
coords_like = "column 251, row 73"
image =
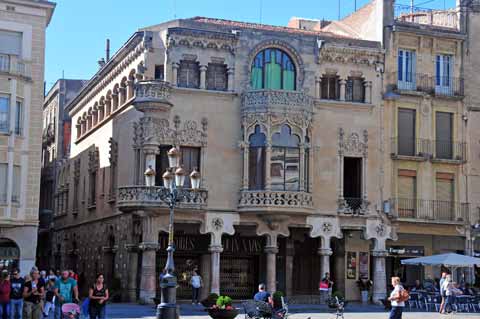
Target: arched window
column 285, row 160
column 256, row 160
column 273, row 69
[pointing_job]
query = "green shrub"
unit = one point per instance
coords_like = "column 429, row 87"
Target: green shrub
column 224, row 301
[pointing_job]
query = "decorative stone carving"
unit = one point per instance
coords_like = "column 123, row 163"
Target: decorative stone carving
column 353, row 145
column 217, row 224
column 326, row 228
column 334, row 53
column 379, row 231
column 152, row 96
column 93, row 159
column 156, row 131
column 131, row 197
column 202, row 39
column 275, row 199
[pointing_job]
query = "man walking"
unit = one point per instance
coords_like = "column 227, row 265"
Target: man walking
column 66, row 291
column 16, row 295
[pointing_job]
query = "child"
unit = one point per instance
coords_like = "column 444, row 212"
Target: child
column 49, row 297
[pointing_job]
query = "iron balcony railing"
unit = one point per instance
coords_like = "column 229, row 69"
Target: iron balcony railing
column 429, row 149
column 425, row 83
column 354, row 203
column 425, row 16
column 430, row 210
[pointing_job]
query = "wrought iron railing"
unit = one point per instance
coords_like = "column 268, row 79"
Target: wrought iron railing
column 425, row 16
column 430, row 210
column 417, row 147
column 150, row 196
column 425, row 83
column 449, row 150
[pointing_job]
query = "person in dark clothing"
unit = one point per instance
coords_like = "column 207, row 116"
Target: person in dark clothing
column 17, row 284
column 418, row 286
column 32, row 294
column 263, row 295
column 4, row 295
column 98, row 294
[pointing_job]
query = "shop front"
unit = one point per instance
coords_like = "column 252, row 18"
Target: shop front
column 407, row 273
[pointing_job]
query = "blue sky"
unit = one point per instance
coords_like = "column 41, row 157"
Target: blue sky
column 76, row 35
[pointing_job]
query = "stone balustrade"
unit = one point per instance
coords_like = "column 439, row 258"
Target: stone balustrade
column 152, row 96
column 287, row 201
column 144, row 197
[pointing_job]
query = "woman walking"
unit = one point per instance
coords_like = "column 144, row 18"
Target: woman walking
column 98, row 295
column 196, row 282
column 449, row 295
column 397, row 304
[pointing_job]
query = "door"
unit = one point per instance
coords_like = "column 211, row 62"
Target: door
column 443, row 74
column 406, row 70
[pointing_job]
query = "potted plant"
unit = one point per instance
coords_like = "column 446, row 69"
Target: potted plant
column 332, row 301
column 277, row 300
column 364, row 284
column 210, row 300
column 223, row 309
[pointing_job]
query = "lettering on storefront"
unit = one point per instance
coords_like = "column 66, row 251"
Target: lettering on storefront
column 406, row 251
column 184, row 243
column 244, row 245
column 9, row 253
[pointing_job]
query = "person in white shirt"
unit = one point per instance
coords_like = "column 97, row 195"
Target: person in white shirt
column 196, row 282
column 449, row 293
column 397, row 306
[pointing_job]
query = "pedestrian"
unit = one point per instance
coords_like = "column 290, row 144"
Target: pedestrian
column 66, row 291
column 32, row 296
column 43, row 276
column 442, row 292
column 5, row 289
column 51, row 275
column 196, row 282
column 98, row 295
column 326, row 279
column 17, row 283
column 395, row 299
column 49, row 297
column 448, row 288
column 263, row 295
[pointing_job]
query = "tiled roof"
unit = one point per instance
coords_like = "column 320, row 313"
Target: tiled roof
column 258, row 26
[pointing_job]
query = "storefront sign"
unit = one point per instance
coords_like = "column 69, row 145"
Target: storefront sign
column 196, row 244
column 243, row 245
column 363, row 265
column 351, row 265
column 411, row 251
column 9, row 253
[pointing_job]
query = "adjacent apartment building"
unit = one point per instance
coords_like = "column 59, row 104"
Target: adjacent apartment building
column 324, row 146
column 22, row 55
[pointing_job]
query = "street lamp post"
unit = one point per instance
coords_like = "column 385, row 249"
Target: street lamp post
column 172, row 193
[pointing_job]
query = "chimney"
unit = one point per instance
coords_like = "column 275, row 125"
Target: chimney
column 107, row 51
column 101, row 62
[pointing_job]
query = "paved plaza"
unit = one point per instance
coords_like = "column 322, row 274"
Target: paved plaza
column 130, row 311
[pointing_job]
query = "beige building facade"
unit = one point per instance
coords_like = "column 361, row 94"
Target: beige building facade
column 22, row 47
column 298, row 136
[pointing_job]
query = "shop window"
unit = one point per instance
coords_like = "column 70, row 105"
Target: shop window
column 189, row 74
column 330, row 87
column 285, row 160
column 273, row 69
column 355, row 90
column 256, row 160
column 352, row 181
column 217, row 77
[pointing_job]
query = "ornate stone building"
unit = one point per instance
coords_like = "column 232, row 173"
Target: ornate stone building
column 294, row 132
column 55, row 150
column 22, row 48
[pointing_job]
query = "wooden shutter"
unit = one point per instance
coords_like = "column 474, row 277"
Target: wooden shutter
column 444, row 205
column 406, row 132
column 407, row 193
column 217, row 77
column 444, row 135
column 11, row 42
column 189, row 74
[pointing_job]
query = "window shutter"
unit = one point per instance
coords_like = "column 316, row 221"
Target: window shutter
column 10, row 42
column 445, row 190
column 407, row 187
column 3, row 182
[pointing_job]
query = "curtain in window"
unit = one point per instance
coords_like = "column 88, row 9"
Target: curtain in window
column 288, row 73
column 257, row 72
column 273, row 69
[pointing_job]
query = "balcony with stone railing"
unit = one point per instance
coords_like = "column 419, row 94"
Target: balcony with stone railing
column 13, row 65
column 150, row 198
column 262, row 201
column 277, row 101
column 152, row 96
column 405, row 14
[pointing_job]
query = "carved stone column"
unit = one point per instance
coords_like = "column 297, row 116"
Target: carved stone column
column 318, row 86
column 215, row 252
column 149, row 246
column 271, row 252
column 114, row 105
column 123, row 95
column 203, row 77
column 130, row 89
column 246, row 150
column 268, row 155
column 379, row 275
column 230, row 84
column 132, row 271
column 302, row 167
column 290, row 253
column 175, row 67
column 324, row 254
column 205, row 266
column 342, row 89
column 368, row 92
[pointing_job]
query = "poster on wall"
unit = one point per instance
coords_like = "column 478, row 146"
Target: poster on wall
column 351, row 265
column 363, row 265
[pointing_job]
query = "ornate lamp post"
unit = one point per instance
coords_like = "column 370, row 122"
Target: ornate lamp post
column 172, row 193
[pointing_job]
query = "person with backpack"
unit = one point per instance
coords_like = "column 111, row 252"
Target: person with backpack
column 398, row 297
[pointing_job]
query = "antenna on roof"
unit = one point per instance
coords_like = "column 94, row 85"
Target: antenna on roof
column 355, row 3
column 174, row 9
column 338, row 9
